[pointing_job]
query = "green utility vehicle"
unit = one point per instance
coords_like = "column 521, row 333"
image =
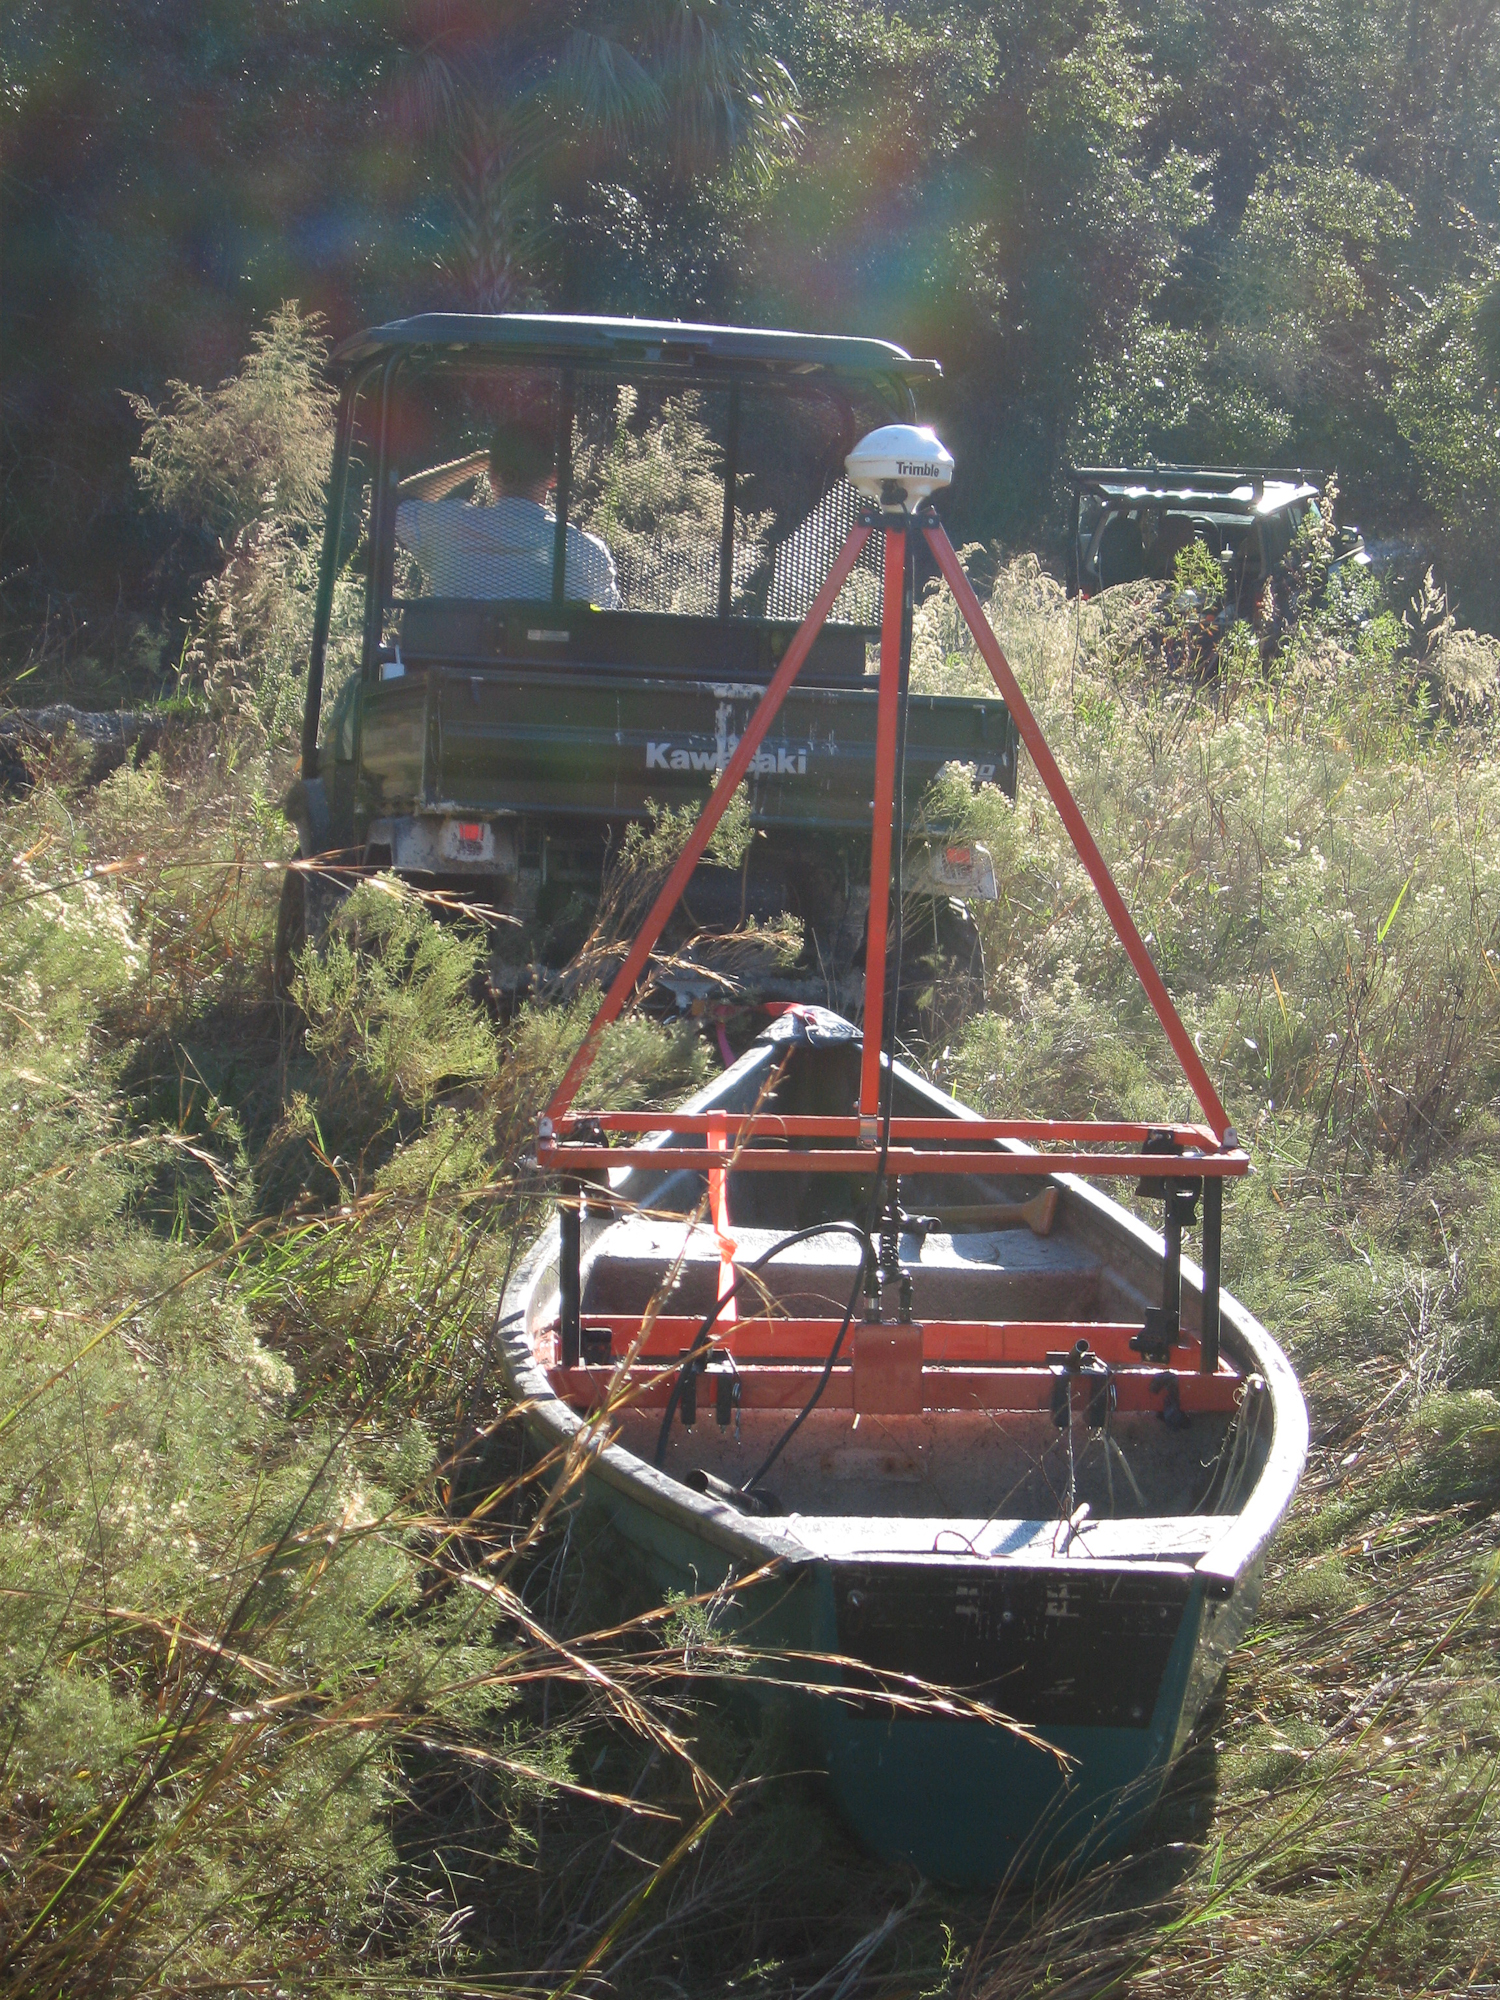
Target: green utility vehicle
column 563, row 558
column 1131, row 522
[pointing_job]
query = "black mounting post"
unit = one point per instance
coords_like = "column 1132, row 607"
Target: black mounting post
column 1213, row 1237
column 1171, row 1268
column 1179, row 1198
column 563, row 459
column 327, row 575
column 569, row 1285
column 731, row 473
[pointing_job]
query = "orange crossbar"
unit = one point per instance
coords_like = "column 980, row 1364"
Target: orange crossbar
column 572, row 1158
column 810, row 1125
column 1017, row 1342
column 789, row 1388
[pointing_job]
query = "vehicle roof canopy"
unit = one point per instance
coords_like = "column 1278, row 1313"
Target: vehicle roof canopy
column 1248, row 489
column 675, row 347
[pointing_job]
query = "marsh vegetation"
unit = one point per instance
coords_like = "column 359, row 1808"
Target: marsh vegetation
column 314, row 1689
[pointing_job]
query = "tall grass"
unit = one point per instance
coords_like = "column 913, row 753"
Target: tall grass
column 259, row 1583
column 1307, row 841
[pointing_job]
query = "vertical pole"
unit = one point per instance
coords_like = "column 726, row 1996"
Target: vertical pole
column 383, row 502
column 718, row 1209
column 1171, row 1270
column 1213, row 1238
column 563, row 459
column 731, row 474
column 569, row 1274
column 888, row 705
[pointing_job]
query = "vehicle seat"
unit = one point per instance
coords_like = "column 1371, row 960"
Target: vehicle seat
column 1174, row 535
column 1121, row 554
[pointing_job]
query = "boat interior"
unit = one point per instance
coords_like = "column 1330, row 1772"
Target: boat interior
column 989, row 1381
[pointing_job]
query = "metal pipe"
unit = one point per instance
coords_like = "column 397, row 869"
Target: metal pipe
column 1213, row 1239
column 888, row 715
column 1171, row 1269
column 811, row 1125
column 569, row 1276
column 853, row 1160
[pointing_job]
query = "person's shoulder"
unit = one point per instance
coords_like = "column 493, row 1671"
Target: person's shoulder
column 595, row 544
column 428, row 510
column 515, row 507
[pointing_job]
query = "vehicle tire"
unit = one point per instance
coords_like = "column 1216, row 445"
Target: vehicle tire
column 942, row 972
column 309, row 903
column 291, row 934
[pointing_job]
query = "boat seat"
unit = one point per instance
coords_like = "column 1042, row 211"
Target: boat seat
column 1004, row 1274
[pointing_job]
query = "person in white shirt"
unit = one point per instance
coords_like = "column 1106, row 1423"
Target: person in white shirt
column 508, row 549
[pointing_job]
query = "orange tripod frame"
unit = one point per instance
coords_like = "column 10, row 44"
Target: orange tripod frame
column 1213, row 1152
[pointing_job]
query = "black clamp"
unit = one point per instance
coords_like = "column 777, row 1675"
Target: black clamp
column 1159, row 1336
column 1081, row 1364
column 890, row 1234
column 1171, row 1413
column 694, row 1362
column 1181, row 1196
column 715, row 1365
column 726, row 1394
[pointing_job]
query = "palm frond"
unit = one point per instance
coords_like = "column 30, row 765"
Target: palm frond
column 425, row 92
column 727, row 93
column 600, row 89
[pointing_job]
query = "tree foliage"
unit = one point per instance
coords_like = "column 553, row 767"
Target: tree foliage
column 1197, row 230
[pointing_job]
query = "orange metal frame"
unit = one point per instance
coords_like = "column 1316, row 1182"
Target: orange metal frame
column 914, row 1145
column 788, row 1387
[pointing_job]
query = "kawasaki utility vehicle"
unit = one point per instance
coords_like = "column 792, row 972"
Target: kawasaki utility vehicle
column 563, row 558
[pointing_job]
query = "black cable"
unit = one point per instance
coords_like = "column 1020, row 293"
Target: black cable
column 898, row 842
column 700, row 1339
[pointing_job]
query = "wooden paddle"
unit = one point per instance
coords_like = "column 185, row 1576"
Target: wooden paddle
column 1037, row 1215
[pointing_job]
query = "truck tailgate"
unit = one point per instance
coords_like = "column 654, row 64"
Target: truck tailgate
column 598, row 745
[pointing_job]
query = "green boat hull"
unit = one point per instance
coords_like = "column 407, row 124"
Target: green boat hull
column 962, row 1801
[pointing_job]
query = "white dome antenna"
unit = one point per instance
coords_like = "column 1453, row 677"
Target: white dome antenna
column 900, row 465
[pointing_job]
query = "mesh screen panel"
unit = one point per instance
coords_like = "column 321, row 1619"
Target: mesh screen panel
column 791, row 458
column 648, row 481
column 803, row 560
column 645, row 499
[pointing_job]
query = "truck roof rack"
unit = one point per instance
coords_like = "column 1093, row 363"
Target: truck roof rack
column 1183, row 479
column 675, row 347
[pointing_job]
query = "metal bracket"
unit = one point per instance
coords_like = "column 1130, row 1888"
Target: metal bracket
column 1080, row 1364
column 1171, row 1413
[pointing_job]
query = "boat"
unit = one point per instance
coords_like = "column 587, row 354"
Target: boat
column 1074, row 1540
column 978, row 1462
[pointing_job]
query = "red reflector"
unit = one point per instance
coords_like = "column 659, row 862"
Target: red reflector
column 957, row 857
column 471, row 832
